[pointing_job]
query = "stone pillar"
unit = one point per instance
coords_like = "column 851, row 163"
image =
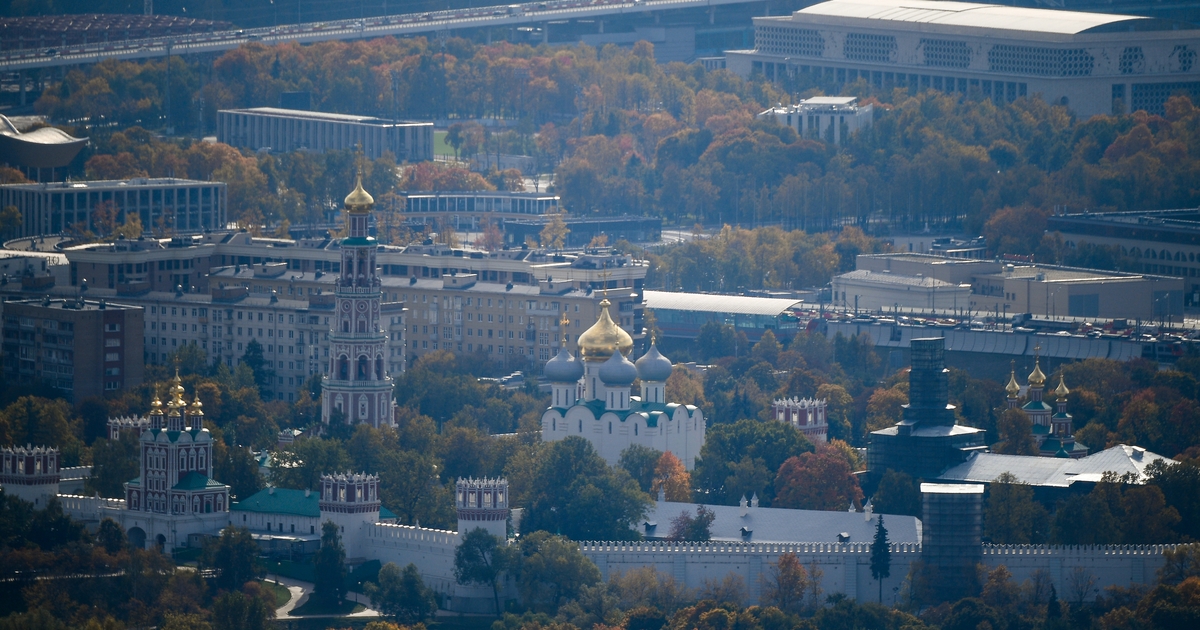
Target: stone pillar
column 951, row 540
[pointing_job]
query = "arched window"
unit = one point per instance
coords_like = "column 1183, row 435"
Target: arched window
column 362, row 326
column 343, row 368
column 362, row 369
column 346, row 327
column 379, row 368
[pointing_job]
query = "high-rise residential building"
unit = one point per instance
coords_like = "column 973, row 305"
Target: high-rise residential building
column 84, row 348
column 358, row 385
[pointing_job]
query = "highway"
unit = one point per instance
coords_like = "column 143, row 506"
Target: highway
column 399, row 25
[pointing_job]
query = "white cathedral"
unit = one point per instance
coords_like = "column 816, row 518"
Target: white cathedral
column 592, row 397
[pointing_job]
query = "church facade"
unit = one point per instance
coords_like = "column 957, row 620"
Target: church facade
column 592, row 397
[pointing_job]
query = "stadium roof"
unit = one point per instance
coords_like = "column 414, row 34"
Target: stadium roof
column 41, row 148
column 983, row 16
column 708, row 303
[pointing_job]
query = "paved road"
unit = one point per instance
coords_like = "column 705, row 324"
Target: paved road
column 399, row 25
column 301, row 591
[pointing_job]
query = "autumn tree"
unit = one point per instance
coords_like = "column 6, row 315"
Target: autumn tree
column 490, row 238
column 787, row 584
column 1011, row 516
column 330, row 566
column 885, row 407
column 686, row 527
column 897, row 494
column 1016, row 434
column 672, row 478
column 817, row 481
column 554, row 234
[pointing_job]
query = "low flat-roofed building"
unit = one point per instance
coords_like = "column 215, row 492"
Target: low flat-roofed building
column 993, row 286
column 277, row 129
column 681, row 315
column 179, row 205
column 830, row 118
column 467, row 210
column 1095, row 63
column 583, row 230
column 1056, row 291
column 874, row 291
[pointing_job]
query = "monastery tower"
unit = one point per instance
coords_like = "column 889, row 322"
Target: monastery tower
column 357, row 385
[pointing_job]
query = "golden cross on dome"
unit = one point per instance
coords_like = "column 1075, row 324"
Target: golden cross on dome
column 605, row 275
column 562, row 324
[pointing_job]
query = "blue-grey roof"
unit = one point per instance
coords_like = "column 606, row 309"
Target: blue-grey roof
column 1052, row 471
column 783, row 525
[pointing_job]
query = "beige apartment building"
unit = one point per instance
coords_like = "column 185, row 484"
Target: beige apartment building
column 505, row 305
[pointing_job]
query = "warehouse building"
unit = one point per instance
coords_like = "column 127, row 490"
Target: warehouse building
column 1094, row 63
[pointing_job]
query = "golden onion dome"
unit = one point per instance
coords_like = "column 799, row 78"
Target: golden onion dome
column 156, row 406
column 1036, row 377
column 1012, row 387
column 605, row 337
column 197, row 407
column 359, row 201
column 1062, row 390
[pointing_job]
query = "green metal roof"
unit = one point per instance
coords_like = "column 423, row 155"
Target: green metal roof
column 357, row 241
column 386, row 513
column 281, row 501
column 196, row 481
column 1037, row 405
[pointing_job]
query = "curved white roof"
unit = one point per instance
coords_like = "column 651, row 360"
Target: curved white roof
column 967, row 14
column 709, row 303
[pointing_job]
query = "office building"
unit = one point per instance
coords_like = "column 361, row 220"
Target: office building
column 275, row 129
column 830, row 118
column 84, row 348
column 1091, row 62
column 163, row 204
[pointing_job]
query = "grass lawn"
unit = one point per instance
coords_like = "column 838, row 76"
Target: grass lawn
column 312, row 607
column 439, row 144
column 282, row 596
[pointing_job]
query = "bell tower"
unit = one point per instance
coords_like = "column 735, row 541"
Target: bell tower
column 357, row 384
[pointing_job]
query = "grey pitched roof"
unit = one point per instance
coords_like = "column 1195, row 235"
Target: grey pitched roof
column 782, row 525
column 1053, row 471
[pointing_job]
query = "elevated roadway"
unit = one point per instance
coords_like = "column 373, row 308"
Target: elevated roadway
column 409, row 24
